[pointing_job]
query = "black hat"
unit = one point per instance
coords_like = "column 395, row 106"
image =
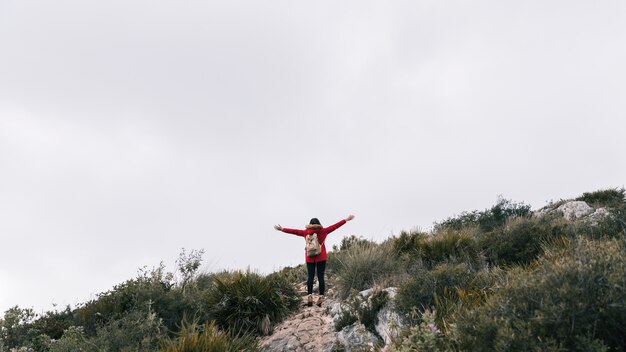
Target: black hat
column 314, row 221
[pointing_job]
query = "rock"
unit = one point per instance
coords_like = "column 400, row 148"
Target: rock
column 357, row 337
column 598, row 215
column 575, row 210
column 389, row 322
column 307, row 330
column 313, row 328
column 334, row 309
column 387, row 327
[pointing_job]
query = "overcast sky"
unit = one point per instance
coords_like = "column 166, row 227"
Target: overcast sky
column 132, row 129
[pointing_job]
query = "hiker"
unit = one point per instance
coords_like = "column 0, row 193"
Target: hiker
column 316, row 263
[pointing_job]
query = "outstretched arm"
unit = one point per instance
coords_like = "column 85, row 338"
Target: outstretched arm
column 291, row 231
column 339, row 224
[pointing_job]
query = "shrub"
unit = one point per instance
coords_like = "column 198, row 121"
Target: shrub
column 201, row 338
column 74, row 339
column 149, row 289
column 409, row 244
column 424, row 336
column 609, row 198
column 152, row 289
column 453, row 246
column 244, row 302
column 290, row 275
column 520, row 241
column 16, row 325
column 361, row 266
column 135, row 331
column 613, row 225
column 350, row 241
column 53, row 323
column 489, row 219
column 446, row 289
column 572, row 298
column 415, row 294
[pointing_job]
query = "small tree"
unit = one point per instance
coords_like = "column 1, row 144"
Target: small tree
column 14, row 326
column 188, row 265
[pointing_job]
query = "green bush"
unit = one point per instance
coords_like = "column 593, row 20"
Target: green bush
column 363, row 265
column 424, row 336
column 207, row 337
column 152, row 289
column 573, row 298
column 452, row 246
column 415, row 294
column 608, row 198
column 149, row 289
column 15, row 327
column 613, row 225
column 521, row 240
column 409, row 245
column 489, row 219
column 446, row 289
column 53, row 323
column 290, row 275
column 350, row 241
column 135, row 331
column 74, row 339
column 246, row 302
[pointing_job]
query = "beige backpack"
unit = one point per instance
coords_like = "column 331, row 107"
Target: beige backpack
column 313, row 245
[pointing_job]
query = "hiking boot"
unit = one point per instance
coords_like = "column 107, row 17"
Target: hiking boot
column 309, row 300
column 320, row 300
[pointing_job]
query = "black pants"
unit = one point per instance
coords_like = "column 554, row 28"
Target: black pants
column 311, row 268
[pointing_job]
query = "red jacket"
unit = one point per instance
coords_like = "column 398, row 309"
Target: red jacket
column 321, row 235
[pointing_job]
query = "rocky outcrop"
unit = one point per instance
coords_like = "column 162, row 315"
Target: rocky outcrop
column 356, row 337
column 574, row 210
column 308, row 330
column 389, row 322
column 313, row 328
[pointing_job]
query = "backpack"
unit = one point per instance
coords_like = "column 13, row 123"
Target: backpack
column 313, row 245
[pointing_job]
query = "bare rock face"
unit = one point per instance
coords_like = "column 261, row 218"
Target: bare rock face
column 357, row 338
column 313, row 328
column 389, row 322
column 575, row 210
column 598, row 215
column 308, row 330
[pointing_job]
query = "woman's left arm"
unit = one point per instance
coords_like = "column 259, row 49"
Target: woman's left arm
column 334, row 227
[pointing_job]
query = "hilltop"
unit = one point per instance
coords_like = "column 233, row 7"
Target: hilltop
column 505, row 278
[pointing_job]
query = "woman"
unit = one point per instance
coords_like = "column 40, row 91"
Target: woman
column 318, row 262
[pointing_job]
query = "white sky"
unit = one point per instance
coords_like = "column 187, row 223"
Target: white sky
column 132, row 129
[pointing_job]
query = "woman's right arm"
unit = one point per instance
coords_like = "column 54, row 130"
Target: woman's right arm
column 291, row 231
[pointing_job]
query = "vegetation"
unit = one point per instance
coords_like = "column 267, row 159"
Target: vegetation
column 489, row 219
column 573, row 298
column 362, row 265
column 501, row 279
column 609, row 198
column 246, row 302
column 151, row 311
column 207, row 337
